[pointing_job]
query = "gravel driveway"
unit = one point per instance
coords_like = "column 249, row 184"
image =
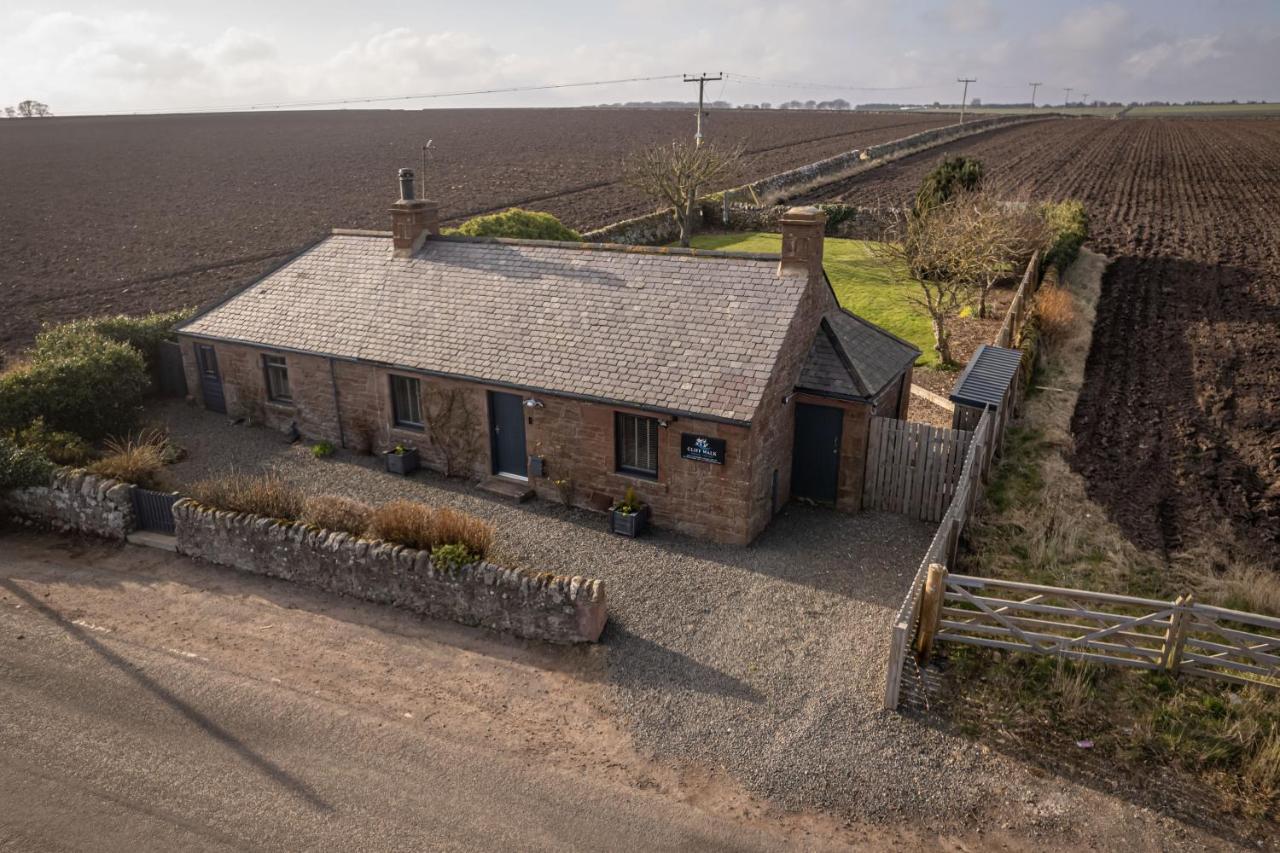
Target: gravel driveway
column 767, row 662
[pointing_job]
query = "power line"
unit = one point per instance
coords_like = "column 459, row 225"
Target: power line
column 424, row 96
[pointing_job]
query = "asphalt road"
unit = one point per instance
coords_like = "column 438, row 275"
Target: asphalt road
column 112, row 743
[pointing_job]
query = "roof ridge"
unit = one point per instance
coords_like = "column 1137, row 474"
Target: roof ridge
column 824, row 327
column 583, row 245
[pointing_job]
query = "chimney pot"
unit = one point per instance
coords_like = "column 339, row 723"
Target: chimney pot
column 412, row 219
column 406, row 184
column 802, row 235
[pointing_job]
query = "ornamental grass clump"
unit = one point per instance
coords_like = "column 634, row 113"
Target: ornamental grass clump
column 332, row 512
column 452, row 527
column 407, row 523
column 416, row 525
column 1056, row 314
column 257, row 494
column 135, row 459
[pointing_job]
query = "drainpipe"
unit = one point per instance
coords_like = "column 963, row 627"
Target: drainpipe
column 337, row 407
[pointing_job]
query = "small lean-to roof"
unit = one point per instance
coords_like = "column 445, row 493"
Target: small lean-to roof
column 987, row 377
column 676, row 330
column 853, row 358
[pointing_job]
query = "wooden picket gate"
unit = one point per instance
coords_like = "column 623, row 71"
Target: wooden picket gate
column 913, row 468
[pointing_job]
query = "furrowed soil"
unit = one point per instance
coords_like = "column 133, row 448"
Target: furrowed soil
column 137, row 213
column 1178, row 427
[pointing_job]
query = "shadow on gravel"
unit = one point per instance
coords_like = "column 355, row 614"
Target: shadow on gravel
column 646, row 664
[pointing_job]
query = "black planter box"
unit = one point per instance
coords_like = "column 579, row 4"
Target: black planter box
column 629, row 524
column 402, row 463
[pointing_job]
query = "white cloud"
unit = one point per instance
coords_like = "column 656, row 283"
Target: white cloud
column 1180, row 54
column 1092, row 28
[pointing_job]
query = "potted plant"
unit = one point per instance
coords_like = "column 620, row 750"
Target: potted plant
column 629, row 516
column 402, row 459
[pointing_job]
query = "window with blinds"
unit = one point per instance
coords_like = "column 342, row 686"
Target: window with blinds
column 406, row 403
column 637, row 439
column 277, row 371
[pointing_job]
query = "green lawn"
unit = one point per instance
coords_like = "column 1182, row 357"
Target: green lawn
column 865, row 284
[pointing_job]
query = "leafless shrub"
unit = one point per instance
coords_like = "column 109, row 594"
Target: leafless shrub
column 332, row 512
column 1056, row 313
column 258, row 494
column 453, row 427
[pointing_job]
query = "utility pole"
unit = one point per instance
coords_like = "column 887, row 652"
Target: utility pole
column 1067, row 102
column 1034, row 86
column 964, row 99
column 701, row 80
column 1084, row 99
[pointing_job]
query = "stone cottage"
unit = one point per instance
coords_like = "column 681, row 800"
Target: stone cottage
column 719, row 385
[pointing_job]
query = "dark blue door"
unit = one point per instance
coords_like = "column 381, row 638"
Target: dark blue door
column 506, row 420
column 210, row 379
column 815, row 459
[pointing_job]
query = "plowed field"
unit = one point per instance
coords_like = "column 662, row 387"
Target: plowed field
column 1178, row 429
column 154, row 212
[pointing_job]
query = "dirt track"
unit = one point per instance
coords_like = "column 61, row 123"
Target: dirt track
column 1178, row 429
column 154, row 212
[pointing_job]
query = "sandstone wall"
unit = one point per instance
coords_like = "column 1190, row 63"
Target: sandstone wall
column 537, row 606
column 76, row 500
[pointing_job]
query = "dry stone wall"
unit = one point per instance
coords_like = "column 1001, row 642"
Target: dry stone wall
column 537, row 606
column 660, row 228
column 76, row 500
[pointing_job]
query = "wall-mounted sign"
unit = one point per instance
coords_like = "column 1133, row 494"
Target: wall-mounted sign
column 702, row 448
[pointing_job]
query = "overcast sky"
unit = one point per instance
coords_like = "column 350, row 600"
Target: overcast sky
column 81, row 56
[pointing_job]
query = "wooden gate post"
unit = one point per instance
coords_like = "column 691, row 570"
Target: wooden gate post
column 1171, row 654
column 935, row 585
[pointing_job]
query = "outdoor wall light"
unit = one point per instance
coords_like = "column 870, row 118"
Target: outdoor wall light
column 531, row 403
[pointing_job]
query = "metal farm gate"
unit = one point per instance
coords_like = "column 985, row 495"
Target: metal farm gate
column 154, row 510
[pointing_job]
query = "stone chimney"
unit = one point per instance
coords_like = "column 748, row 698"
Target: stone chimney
column 412, row 219
column 802, row 232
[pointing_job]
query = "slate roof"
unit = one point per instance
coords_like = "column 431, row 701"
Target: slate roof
column 694, row 333
column 851, row 357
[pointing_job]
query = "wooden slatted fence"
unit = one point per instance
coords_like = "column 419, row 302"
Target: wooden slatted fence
column 913, row 468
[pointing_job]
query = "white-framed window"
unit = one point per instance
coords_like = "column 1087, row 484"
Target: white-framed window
column 277, row 372
column 406, row 402
column 637, row 443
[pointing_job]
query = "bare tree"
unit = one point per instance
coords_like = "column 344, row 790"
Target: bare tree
column 30, row 109
column 990, row 240
column 673, row 175
column 924, row 246
column 9, row 112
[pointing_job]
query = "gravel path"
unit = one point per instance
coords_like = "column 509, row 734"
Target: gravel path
column 767, row 662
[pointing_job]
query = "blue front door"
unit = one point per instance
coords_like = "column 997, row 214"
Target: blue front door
column 506, row 421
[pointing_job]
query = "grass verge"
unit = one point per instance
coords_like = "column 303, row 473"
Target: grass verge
column 1215, row 748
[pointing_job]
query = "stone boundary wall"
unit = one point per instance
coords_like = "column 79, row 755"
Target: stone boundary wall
column 538, row 606
column 856, row 223
column 76, row 500
column 660, row 227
